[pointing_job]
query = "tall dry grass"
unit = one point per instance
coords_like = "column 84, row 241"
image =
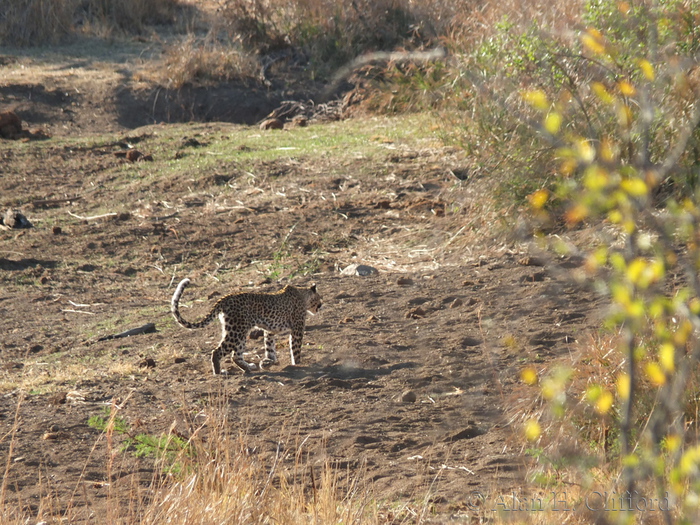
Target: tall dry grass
column 218, row 474
column 38, row 22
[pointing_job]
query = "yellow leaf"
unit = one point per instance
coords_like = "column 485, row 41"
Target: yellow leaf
column 630, row 460
column 593, row 393
column 623, row 386
column 576, row 214
column 552, row 123
column 647, row 68
column 532, row 430
column 604, row 403
column 636, row 309
column 529, row 376
column 694, row 305
column 538, row 199
column 623, row 7
column 667, row 357
column 626, row 88
column 635, row 269
column 608, row 150
column 655, row 373
column 568, row 166
column 594, row 41
column 624, row 115
column 595, row 178
column 585, row 150
column 615, row 216
column 537, row 99
column 672, row 442
column 620, row 294
column 602, row 93
column 635, row 187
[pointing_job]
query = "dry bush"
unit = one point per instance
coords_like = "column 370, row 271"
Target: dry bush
column 37, row 22
column 330, row 34
column 31, row 22
column 204, row 62
column 128, row 16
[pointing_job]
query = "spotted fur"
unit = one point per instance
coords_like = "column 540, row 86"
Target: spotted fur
column 279, row 313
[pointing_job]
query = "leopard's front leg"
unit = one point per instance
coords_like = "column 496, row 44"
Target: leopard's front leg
column 295, row 340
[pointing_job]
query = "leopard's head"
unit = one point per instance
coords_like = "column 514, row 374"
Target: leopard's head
column 312, row 299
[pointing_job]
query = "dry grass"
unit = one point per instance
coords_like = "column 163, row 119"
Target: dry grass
column 214, row 475
column 204, row 62
column 37, row 22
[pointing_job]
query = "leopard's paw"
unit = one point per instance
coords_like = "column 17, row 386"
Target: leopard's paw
column 267, row 363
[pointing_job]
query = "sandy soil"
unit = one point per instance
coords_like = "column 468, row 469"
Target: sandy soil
column 409, row 375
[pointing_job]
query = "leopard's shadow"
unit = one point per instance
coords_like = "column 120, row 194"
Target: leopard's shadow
column 342, row 371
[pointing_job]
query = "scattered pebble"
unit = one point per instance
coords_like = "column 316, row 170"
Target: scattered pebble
column 59, row 398
column 149, row 362
column 404, row 281
column 271, row 123
column 456, row 303
column 362, row 270
column 415, row 313
column 409, row 396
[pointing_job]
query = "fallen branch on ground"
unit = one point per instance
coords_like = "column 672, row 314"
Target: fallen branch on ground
column 148, row 328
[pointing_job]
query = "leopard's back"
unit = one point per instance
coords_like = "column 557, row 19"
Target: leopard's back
column 275, row 312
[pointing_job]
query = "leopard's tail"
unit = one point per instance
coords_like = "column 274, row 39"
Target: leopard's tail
column 174, row 308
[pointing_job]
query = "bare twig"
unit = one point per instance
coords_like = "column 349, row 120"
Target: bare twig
column 112, row 214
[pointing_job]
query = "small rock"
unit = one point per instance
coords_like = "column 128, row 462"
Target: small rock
column 300, row 121
column 529, row 260
column 404, row 281
column 456, row 303
column 13, row 219
column 271, row 123
column 347, row 320
column 372, row 319
column 59, row 398
column 468, row 433
column 359, row 269
column 149, row 362
column 10, row 125
column 409, row 396
column 133, row 155
column 189, row 142
column 415, row 313
column 179, row 360
column 533, row 278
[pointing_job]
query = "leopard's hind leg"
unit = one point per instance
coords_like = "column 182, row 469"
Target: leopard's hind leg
column 270, row 351
column 234, row 346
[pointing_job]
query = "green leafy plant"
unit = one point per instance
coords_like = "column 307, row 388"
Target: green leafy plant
column 163, row 447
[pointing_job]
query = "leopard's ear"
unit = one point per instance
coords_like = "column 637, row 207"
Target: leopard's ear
column 313, row 287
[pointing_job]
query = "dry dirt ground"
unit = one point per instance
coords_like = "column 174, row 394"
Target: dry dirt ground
column 409, row 376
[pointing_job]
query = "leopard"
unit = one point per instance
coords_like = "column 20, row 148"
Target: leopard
column 277, row 313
